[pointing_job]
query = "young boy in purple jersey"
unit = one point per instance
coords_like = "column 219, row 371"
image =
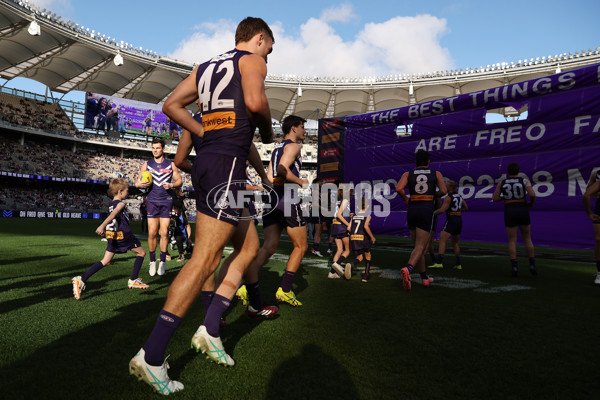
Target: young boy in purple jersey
column 361, row 238
column 119, row 237
column 231, row 91
column 513, row 191
column 593, row 189
column 453, row 206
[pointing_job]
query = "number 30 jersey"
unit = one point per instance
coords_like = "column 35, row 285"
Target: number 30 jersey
column 513, row 191
column 422, row 185
column 227, row 126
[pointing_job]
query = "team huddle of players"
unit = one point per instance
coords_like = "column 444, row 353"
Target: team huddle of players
column 230, row 92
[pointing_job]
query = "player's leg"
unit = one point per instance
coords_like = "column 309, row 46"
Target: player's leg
column 317, row 239
column 297, row 235
column 345, row 254
column 153, row 224
column 444, row 236
column 78, row 282
column 456, row 247
column 164, row 242
column 245, row 243
column 526, row 235
column 134, row 281
column 211, row 237
column 511, row 233
column 336, row 267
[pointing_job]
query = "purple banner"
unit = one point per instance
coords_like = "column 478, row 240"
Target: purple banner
column 331, row 150
column 556, row 146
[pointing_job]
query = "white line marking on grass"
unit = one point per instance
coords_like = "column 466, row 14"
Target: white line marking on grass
column 446, row 282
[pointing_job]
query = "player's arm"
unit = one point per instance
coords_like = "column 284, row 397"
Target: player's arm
column 590, row 191
column 175, row 106
column 256, row 162
column 270, row 171
column 177, row 181
column 253, row 70
column 349, row 227
column 441, row 185
column 117, row 210
column 184, row 148
column 138, row 182
column 464, row 206
column 444, row 207
column 290, row 153
column 498, row 192
column 530, row 192
column 368, row 229
column 401, row 185
column 340, row 213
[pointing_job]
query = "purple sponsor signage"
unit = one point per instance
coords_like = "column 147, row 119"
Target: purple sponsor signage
column 556, row 147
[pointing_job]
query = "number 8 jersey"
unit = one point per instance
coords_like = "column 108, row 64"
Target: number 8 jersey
column 422, row 185
column 227, row 127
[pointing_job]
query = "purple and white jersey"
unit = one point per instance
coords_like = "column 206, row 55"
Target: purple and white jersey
column 161, row 172
column 119, row 227
column 276, row 159
column 227, row 126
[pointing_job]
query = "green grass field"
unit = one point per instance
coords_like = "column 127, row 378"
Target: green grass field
column 476, row 333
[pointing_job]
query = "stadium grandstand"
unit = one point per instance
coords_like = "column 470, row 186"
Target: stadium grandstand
column 67, row 57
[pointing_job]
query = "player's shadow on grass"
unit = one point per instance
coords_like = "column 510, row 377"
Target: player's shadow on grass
column 323, row 377
column 21, row 260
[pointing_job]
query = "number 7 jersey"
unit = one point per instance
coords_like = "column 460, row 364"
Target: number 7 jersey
column 227, row 126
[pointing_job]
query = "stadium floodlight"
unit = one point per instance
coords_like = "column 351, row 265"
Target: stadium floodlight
column 118, row 60
column 558, row 69
column 34, row 28
column 299, row 90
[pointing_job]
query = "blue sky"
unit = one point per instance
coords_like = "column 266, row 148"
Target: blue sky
column 350, row 38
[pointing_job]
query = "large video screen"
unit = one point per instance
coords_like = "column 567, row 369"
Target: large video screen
column 106, row 113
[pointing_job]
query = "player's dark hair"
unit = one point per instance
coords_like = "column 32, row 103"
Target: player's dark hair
column 115, row 185
column 422, row 158
column 513, row 168
column 251, row 26
column 159, row 140
column 289, row 121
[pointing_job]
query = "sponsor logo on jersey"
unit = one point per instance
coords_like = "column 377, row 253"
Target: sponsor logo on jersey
column 114, row 235
column 357, row 237
column 218, row 120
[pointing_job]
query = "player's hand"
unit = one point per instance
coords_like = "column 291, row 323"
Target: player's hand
column 407, row 201
column 373, row 240
column 167, row 185
column 304, row 183
column 100, row 231
column 145, row 184
column 594, row 217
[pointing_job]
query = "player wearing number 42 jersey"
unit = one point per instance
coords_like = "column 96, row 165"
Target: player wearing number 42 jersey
column 230, row 88
column 513, row 191
column 424, row 185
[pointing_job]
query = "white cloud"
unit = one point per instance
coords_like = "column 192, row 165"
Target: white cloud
column 57, row 6
column 398, row 45
column 343, row 13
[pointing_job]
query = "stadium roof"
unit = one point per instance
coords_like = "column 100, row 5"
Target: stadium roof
column 66, row 56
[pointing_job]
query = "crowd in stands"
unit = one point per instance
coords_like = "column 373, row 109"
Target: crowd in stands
column 35, row 114
column 50, row 198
